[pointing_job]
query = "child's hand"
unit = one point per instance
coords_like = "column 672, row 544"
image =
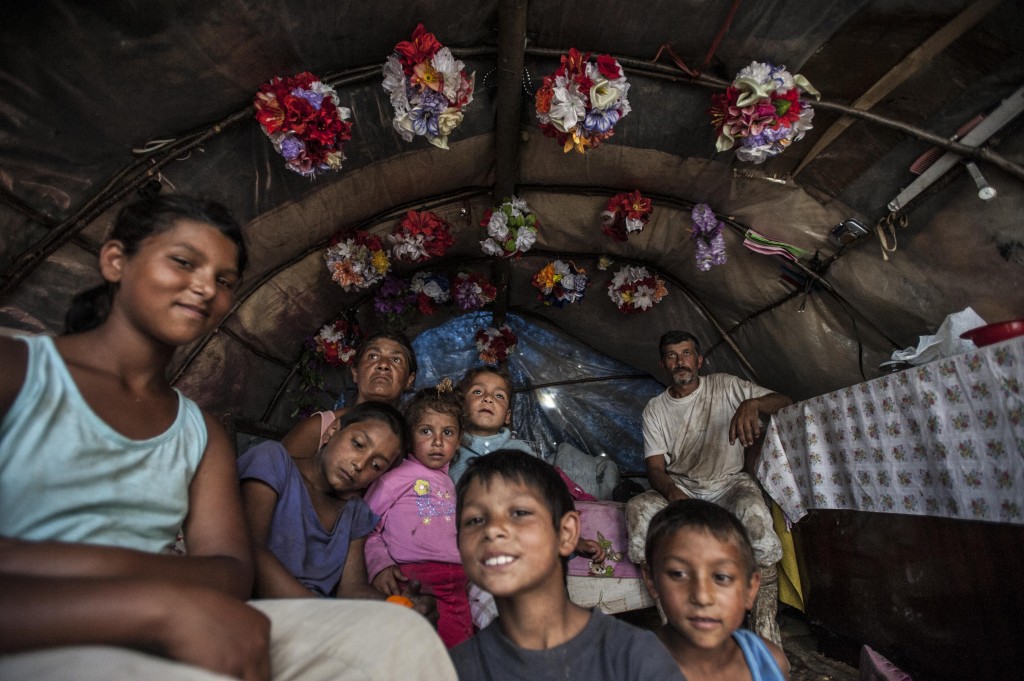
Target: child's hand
column 591, row 549
column 424, row 604
column 391, row 581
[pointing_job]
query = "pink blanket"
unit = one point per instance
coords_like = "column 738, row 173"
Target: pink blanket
column 605, row 522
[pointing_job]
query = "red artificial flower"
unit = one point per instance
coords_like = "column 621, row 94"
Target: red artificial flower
column 487, row 217
column 425, row 304
column 422, row 47
column 436, row 232
column 635, row 205
column 371, row 241
column 608, row 67
column 269, row 112
column 621, row 206
column 574, row 62
column 787, row 107
column 296, row 111
column 720, row 105
column 616, row 228
column 544, row 95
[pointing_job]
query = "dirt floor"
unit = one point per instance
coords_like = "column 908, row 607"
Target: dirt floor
column 806, row 663
column 798, row 640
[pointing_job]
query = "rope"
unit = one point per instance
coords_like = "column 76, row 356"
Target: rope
column 888, row 224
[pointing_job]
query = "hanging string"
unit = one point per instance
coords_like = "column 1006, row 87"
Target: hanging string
column 695, row 73
column 888, row 225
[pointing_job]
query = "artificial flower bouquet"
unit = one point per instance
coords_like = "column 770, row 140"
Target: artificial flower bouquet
column 428, row 87
column 560, row 283
column 431, row 289
column 635, row 289
column 336, row 343
column 495, row 344
column 511, row 229
column 420, row 236
column 626, row 213
column 394, row 300
column 357, row 262
column 304, row 119
column 472, row 290
column 580, row 103
column 762, row 111
column 707, row 234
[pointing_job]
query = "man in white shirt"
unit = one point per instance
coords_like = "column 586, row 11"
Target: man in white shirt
column 694, row 438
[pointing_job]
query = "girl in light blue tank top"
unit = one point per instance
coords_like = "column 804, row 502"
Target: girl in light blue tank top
column 101, row 460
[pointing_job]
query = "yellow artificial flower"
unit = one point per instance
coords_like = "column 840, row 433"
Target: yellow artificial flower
column 421, row 488
column 380, row 261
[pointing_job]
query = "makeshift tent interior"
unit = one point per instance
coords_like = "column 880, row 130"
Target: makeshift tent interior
column 102, row 100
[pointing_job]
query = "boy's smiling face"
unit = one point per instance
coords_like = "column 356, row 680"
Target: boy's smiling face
column 702, row 584
column 486, row 404
column 508, row 541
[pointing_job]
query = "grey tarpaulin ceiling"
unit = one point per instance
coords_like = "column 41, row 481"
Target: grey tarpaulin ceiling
column 86, row 83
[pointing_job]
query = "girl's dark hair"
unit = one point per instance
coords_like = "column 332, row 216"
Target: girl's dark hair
column 136, row 222
column 441, row 399
column 378, row 411
column 702, row 515
column 396, row 336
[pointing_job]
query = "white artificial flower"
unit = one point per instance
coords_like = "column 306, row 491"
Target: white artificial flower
column 643, row 297
column 448, row 120
column 410, row 249
column 497, row 226
column 803, row 124
column 634, row 224
column 783, row 79
column 403, row 124
column 435, row 292
column 757, row 71
column 394, row 84
column 604, row 95
column 566, row 109
column 519, row 204
column 525, row 238
column 492, row 247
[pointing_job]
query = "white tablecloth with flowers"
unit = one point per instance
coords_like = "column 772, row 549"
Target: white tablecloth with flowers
column 942, row 439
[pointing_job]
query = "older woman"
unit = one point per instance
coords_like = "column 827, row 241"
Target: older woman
column 384, row 368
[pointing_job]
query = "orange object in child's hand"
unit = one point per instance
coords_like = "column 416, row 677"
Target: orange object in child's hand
column 400, row 600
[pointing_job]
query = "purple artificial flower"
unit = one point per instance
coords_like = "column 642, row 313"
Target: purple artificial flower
column 434, row 101
column 315, row 99
column 600, row 121
column 707, row 233
column 704, row 220
column 393, row 297
column 718, row 250
column 292, row 147
column 424, row 122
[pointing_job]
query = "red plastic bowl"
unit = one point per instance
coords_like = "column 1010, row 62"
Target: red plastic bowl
column 994, row 333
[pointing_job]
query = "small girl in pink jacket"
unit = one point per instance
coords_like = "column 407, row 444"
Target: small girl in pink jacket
column 416, row 535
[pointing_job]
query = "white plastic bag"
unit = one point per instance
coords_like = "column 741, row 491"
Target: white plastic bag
column 946, row 342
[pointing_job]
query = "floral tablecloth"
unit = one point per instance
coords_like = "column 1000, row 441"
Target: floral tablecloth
column 942, row 439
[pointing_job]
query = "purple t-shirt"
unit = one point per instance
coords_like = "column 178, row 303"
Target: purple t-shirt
column 313, row 555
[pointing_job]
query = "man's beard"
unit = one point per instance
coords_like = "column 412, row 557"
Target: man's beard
column 683, row 377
